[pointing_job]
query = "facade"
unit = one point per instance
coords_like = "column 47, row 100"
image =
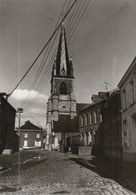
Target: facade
column 62, row 102
column 112, row 131
column 8, row 138
column 31, row 136
column 69, row 130
column 90, row 122
column 127, row 86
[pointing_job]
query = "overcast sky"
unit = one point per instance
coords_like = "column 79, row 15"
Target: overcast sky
column 102, row 48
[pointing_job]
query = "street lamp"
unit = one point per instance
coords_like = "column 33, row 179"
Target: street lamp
column 19, row 111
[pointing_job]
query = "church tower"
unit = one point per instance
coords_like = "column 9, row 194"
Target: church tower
column 62, row 100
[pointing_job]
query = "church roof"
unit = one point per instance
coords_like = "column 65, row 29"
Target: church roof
column 62, row 62
column 66, row 124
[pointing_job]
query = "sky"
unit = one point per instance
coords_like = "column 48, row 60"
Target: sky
column 102, row 48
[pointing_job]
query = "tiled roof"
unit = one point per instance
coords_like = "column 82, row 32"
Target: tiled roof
column 30, row 126
column 80, row 106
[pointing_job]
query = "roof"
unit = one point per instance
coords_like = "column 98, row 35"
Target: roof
column 30, row 126
column 65, row 124
column 92, row 104
column 80, row 106
column 62, row 62
column 128, row 72
column 4, row 101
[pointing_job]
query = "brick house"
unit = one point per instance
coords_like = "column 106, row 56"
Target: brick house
column 31, row 136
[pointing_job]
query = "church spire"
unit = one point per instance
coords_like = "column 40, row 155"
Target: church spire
column 63, row 63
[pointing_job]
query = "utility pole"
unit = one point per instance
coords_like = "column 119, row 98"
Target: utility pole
column 19, row 111
column 106, row 86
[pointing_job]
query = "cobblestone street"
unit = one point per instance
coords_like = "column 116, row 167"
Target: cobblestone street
column 56, row 173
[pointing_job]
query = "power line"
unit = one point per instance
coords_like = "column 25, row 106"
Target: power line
column 47, row 70
column 79, row 23
column 45, row 57
column 43, row 48
column 81, row 9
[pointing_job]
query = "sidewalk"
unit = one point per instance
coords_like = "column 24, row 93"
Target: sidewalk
column 6, row 161
column 122, row 172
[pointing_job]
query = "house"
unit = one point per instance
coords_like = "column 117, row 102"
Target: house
column 31, row 136
column 90, row 122
column 127, row 86
column 112, row 131
column 8, row 138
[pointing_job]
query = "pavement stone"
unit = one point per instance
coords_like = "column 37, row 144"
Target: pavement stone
column 56, row 173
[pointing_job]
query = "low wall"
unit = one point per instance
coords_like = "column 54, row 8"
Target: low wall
column 81, row 150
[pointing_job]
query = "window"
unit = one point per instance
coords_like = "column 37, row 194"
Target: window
column 25, row 143
column 124, row 98
column 91, row 118
column 38, row 143
column 95, row 117
column 63, row 88
column 86, row 119
column 38, row 135
column 132, row 92
column 100, row 116
column 126, row 133
column 25, row 135
column 82, row 120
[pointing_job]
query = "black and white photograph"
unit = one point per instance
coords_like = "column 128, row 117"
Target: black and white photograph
column 68, row 97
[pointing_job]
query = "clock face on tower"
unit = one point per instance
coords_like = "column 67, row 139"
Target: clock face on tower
column 64, row 106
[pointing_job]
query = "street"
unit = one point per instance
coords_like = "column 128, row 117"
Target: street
column 53, row 172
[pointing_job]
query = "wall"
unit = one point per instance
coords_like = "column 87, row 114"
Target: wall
column 31, row 138
column 129, row 118
column 112, row 130
column 7, row 126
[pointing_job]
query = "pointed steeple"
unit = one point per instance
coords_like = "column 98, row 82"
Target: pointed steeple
column 62, row 61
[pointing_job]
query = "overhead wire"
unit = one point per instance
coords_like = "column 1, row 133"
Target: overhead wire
column 47, row 72
column 80, row 22
column 42, row 49
column 45, row 59
column 77, row 25
column 74, row 24
column 49, row 69
column 47, row 52
column 70, row 37
column 53, row 54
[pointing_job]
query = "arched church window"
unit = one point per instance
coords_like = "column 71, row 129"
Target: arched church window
column 63, row 88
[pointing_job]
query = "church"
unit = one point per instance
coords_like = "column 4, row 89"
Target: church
column 61, row 106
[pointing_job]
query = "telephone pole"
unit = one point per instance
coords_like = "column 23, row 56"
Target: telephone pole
column 106, row 85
